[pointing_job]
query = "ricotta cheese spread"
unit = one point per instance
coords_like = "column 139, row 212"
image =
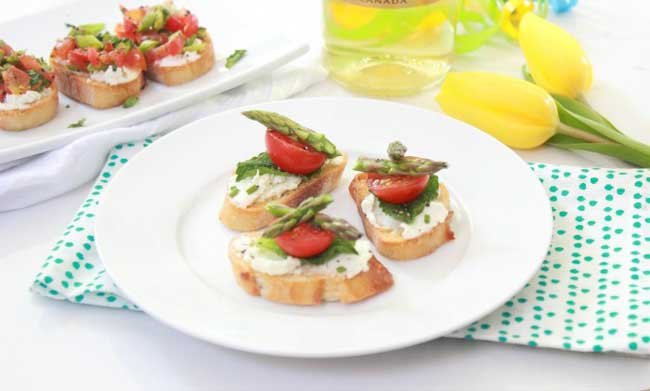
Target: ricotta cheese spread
column 23, row 101
column 261, row 188
column 179, row 59
column 348, row 265
column 114, row 76
column 436, row 212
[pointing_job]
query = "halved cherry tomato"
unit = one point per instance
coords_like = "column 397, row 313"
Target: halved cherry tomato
column 93, row 57
column 78, row 58
column 171, row 48
column 30, row 63
column 64, row 47
column 15, row 80
column 305, row 240
column 293, row 156
column 397, row 189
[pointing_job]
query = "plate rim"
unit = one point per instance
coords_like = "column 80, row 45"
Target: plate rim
column 548, row 228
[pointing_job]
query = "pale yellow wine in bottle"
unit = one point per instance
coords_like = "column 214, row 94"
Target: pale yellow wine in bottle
column 389, row 47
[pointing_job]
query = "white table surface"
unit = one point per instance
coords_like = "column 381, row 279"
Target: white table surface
column 50, row 345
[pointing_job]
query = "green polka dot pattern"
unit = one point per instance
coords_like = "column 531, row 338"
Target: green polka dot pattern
column 592, row 292
column 73, row 271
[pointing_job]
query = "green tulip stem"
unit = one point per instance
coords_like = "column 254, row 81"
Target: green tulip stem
column 581, row 134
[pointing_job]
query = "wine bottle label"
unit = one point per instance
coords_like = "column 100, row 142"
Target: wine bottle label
column 390, row 3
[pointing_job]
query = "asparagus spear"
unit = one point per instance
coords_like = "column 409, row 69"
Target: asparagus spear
column 304, row 212
column 290, row 128
column 405, row 166
column 339, row 226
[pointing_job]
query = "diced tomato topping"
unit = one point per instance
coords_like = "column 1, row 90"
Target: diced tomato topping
column 191, row 25
column 15, row 80
column 128, row 29
column 64, row 47
column 293, row 156
column 93, row 57
column 2, row 92
column 305, row 240
column 171, row 48
column 30, row 63
column 78, row 58
column 6, row 49
column 118, row 57
column 397, row 189
column 135, row 60
column 175, row 23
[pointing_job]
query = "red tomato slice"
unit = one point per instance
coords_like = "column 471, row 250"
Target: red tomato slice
column 174, row 23
column 397, row 189
column 292, row 156
column 29, row 63
column 78, row 58
column 191, row 25
column 305, row 241
column 64, row 47
column 93, row 57
column 15, row 80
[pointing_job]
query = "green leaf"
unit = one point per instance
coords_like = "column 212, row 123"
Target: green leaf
column 338, row 246
column 618, row 151
column 235, row 57
column 270, row 246
column 409, row 211
column 261, row 163
column 577, row 114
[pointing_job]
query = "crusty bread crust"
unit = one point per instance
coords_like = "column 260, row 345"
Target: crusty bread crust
column 255, row 216
column 390, row 243
column 80, row 87
column 310, row 289
column 180, row 74
column 36, row 114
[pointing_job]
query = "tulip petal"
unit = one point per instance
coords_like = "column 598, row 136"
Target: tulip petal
column 518, row 113
column 555, row 59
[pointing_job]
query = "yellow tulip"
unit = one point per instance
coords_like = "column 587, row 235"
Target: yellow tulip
column 518, row 113
column 555, row 59
column 511, row 15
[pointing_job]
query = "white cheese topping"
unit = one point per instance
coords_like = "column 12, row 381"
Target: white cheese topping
column 23, row 101
column 179, row 59
column 346, row 265
column 436, row 211
column 114, row 76
column 261, row 188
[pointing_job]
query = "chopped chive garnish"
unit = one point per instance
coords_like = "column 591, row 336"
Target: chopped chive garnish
column 78, row 124
column 130, row 102
column 235, row 57
column 252, row 189
column 233, row 191
column 427, row 219
column 341, row 269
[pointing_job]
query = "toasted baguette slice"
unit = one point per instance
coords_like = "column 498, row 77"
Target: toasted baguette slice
column 80, row 87
column 310, row 289
column 390, row 243
column 255, row 216
column 38, row 113
column 180, row 74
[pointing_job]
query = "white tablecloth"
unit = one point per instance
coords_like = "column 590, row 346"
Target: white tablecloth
column 111, row 349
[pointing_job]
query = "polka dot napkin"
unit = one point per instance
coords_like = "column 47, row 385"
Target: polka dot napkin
column 592, row 292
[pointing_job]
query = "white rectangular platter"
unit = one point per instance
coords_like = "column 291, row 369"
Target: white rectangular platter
column 38, row 33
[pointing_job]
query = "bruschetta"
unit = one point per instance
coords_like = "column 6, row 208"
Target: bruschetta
column 28, row 93
column 306, row 257
column 299, row 163
column 98, row 68
column 405, row 210
column 177, row 49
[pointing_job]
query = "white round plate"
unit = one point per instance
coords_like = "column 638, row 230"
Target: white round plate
column 161, row 241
